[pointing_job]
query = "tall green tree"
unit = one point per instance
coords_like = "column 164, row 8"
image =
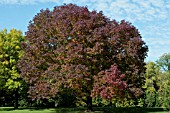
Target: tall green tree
column 152, row 78
column 10, row 53
column 72, row 47
column 164, row 90
column 164, row 82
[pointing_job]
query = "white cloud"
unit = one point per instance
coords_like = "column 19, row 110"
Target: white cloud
column 156, row 51
column 157, row 37
column 158, row 41
column 133, row 10
column 142, row 10
column 17, row 1
column 20, row 2
column 114, row 8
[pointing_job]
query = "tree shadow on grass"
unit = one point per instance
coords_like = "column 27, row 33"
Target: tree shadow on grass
column 95, row 110
column 131, row 110
column 111, row 110
column 21, row 108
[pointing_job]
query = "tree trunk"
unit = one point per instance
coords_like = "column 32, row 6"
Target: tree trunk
column 89, row 103
column 16, row 98
column 3, row 98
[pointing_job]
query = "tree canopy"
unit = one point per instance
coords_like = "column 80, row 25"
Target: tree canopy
column 10, row 53
column 164, row 90
column 157, row 93
column 164, row 62
column 72, row 47
column 152, row 81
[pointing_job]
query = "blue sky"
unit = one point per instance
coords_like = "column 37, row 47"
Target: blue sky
column 151, row 17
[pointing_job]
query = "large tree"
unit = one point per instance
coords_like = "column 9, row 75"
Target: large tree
column 10, row 53
column 71, row 47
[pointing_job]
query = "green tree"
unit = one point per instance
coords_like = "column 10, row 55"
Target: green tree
column 71, row 47
column 164, row 90
column 164, row 62
column 151, row 84
column 164, row 80
column 10, row 53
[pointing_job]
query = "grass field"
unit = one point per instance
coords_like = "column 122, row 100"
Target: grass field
column 82, row 110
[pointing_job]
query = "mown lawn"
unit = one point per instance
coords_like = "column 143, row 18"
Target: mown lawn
column 82, row 110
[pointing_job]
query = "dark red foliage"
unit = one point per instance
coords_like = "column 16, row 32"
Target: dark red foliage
column 109, row 84
column 71, row 47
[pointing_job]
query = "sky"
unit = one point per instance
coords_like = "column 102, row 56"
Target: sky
column 150, row 17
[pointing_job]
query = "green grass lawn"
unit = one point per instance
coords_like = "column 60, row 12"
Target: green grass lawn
column 83, row 110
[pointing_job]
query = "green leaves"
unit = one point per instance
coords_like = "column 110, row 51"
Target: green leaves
column 151, row 83
column 10, row 52
column 11, row 84
column 164, row 62
column 157, row 82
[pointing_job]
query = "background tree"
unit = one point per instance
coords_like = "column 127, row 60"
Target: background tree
column 164, row 90
column 152, row 77
column 164, row 62
column 164, row 80
column 69, row 46
column 10, row 53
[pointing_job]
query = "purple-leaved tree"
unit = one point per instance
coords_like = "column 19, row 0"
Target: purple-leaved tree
column 72, row 47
